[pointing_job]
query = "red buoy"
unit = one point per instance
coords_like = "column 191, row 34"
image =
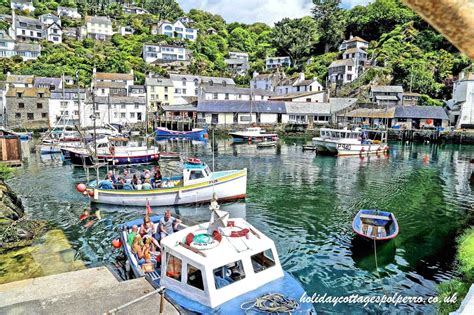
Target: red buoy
column 91, row 193
column 116, row 243
column 81, row 187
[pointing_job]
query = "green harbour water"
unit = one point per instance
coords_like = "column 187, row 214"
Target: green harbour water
column 304, row 202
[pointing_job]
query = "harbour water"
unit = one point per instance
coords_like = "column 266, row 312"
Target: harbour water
column 302, row 201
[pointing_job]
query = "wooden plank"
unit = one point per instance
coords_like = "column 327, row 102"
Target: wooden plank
column 374, row 217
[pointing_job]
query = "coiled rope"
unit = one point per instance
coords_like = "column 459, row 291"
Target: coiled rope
column 271, row 303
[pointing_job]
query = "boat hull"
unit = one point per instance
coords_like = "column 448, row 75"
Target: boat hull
column 162, row 133
column 229, row 187
column 347, row 149
column 78, row 158
column 250, row 138
column 392, row 226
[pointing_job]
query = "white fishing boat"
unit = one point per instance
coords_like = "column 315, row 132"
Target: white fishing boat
column 224, row 266
column 267, row 144
column 196, row 184
column 253, row 134
column 351, row 142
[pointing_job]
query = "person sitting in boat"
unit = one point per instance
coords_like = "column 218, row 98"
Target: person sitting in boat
column 168, row 224
column 136, row 182
column 127, row 184
column 131, row 235
column 147, row 230
column 126, row 174
column 106, row 184
column 147, row 185
column 156, row 180
column 137, row 248
column 110, row 175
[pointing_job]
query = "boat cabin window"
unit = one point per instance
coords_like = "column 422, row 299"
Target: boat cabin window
column 173, row 268
column 196, row 174
column 207, row 171
column 228, row 274
column 262, row 261
column 195, row 277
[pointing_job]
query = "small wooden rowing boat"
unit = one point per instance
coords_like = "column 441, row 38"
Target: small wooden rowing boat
column 267, row 144
column 375, row 225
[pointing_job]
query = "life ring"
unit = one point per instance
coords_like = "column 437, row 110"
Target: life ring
column 194, row 161
column 112, row 150
column 202, row 240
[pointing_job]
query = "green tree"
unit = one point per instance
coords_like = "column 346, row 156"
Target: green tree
column 164, row 9
column 241, row 39
column 331, row 22
column 296, row 38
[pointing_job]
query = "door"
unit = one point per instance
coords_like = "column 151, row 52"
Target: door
column 279, row 118
column 258, row 117
column 215, row 119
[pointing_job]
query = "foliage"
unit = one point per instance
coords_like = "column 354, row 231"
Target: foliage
column 448, row 289
column 296, row 38
column 164, row 9
column 5, row 171
column 319, row 66
column 466, row 254
column 331, row 21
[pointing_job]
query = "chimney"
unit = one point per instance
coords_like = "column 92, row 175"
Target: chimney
column 326, row 95
column 301, row 77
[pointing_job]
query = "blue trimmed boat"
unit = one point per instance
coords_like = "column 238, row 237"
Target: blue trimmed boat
column 165, row 133
column 225, row 266
column 116, row 156
column 375, row 225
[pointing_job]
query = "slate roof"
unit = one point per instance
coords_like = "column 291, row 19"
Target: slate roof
column 68, row 94
column 216, row 106
column 308, row 108
column 386, row 88
column 131, row 100
column 424, row 112
column 338, row 104
column 354, row 50
column 113, row 85
column 27, row 47
column 98, row 20
column 27, row 92
column 56, row 82
column 386, row 97
column 342, row 62
column 158, row 82
column 179, row 108
column 355, row 39
column 291, row 96
column 235, row 90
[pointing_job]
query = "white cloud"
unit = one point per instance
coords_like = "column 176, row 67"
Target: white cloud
column 250, row 11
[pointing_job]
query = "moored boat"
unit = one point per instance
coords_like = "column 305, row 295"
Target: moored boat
column 375, row 225
column 253, row 134
column 267, row 144
column 165, row 133
column 196, row 184
column 343, row 142
column 114, row 155
column 225, row 266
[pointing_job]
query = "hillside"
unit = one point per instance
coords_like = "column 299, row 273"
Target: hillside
column 410, row 52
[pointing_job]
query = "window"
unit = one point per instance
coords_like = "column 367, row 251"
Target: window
column 196, row 91
column 39, row 34
column 122, row 106
column 211, row 83
column 21, row 105
column 102, row 91
column 228, row 274
column 30, row 116
column 44, row 115
column 308, row 100
column 196, row 174
column 39, row 105
column 136, row 105
column 17, row 115
column 166, row 89
column 195, row 277
column 132, row 115
column 115, row 115
column 401, row 119
column 349, row 68
column 215, row 96
column 122, row 115
column 184, row 91
column 173, row 269
column 177, row 91
column 226, row 96
column 262, row 261
column 19, row 94
column 166, row 97
column 349, row 77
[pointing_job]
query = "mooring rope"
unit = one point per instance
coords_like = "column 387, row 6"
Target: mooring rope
column 271, row 303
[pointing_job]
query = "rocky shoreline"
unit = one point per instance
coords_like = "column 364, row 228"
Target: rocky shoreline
column 16, row 230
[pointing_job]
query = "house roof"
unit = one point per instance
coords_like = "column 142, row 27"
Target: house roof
column 18, row 78
column 291, row 96
column 411, row 94
column 98, row 19
column 202, row 79
column 371, row 113
column 355, row 39
column 235, row 90
column 158, row 82
column 305, row 83
column 387, row 98
column 214, row 106
column 113, row 76
column 354, row 50
column 424, row 112
column 29, row 21
column 342, row 62
column 136, row 87
column 27, row 47
column 386, row 88
column 338, row 104
column 68, row 94
column 236, row 61
column 56, row 82
column 5, row 37
column 27, row 92
column 116, row 85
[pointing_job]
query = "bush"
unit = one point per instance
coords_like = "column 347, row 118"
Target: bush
column 5, row 172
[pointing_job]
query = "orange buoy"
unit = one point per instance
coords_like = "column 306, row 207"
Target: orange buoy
column 81, row 187
column 116, row 243
column 91, row 192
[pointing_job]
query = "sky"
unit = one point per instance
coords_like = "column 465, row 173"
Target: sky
column 250, row 11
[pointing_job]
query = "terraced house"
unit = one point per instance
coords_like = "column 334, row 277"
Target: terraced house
column 156, row 54
column 28, row 107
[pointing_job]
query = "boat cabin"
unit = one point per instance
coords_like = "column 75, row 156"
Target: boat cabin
column 213, row 269
column 194, row 171
column 358, row 134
